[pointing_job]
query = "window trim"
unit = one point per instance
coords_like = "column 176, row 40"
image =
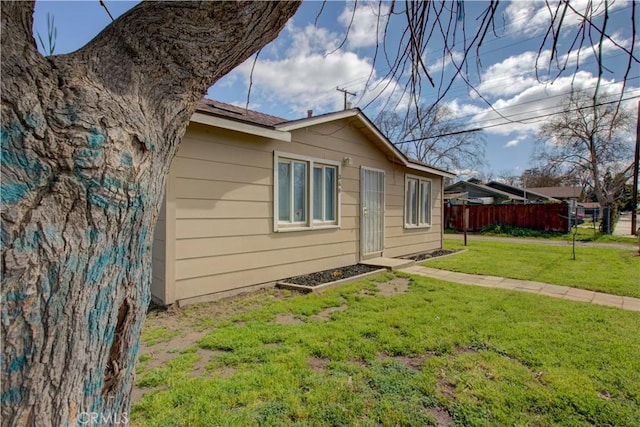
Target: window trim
column 309, row 223
column 419, row 180
column 323, row 168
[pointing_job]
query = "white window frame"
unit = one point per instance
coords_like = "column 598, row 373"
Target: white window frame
column 309, row 223
column 323, row 167
column 421, row 223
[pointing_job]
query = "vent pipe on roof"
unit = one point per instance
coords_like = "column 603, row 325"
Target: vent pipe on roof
column 309, row 113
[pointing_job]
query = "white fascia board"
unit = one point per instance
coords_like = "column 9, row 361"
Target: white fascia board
column 318, row 120
column 427, row 169
column 241, row 127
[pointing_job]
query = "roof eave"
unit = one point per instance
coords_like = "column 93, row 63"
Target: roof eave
column 423, row 168
column 339, row 115
column 315, row 120
column 243, row 127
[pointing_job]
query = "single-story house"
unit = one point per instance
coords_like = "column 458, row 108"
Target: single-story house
column 529, row 194
column 565, row 194
column 589, row 210
column 476, row 193
column 252, row 199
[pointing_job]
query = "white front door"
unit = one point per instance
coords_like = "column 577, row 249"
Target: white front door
column 371, row 212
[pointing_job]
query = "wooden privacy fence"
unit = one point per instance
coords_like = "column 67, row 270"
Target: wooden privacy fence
column 546, row 217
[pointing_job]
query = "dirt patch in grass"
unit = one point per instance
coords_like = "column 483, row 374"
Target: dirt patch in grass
column 287, row 319
column 442, row 416
column 224, row 372
column 367, row 293
column 162, row 352
column 398, row 285
column 447, row 388
column 185, row 340
column 138, row 392
column 318, row 364
column 327, row 312
column 172, row 330
column 200, row 368
column 414, row 363
column 411, row 362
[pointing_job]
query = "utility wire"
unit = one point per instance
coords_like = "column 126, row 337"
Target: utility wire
column 508, row 123
column 552, row 107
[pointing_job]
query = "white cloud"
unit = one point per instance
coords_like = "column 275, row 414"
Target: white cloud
column 459, row 110
column 311, row 39
column 578, row 56
column 526, row 17
column 512, row 75
column 307, row 74
column 307, row 81
column 537, row 100
column 515, row 142
column 441, row 62
column 533, row 17
column 367, row 21
column 517, row 73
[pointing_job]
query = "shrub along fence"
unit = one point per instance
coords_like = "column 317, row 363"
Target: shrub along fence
column 544, row 217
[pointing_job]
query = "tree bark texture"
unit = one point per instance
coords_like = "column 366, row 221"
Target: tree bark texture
column 87, row 141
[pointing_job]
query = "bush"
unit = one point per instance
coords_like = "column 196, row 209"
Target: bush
column 510, row 230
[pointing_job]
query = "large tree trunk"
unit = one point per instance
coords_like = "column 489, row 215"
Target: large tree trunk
column 87, row 141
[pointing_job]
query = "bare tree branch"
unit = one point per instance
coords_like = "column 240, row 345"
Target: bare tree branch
column 581, row 141
column 432, row 136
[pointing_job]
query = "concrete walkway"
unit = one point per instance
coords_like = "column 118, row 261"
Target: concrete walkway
column 555, row 291
column 623, row 226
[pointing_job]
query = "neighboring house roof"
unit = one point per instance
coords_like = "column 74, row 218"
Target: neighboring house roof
column 475, row 190
column 227, row 116
column 527, row 193
column 461, row 195
column 559, row 192
column 589, row 205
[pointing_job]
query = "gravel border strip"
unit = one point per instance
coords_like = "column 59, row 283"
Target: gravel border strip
column 308, row 289
column 458, row 252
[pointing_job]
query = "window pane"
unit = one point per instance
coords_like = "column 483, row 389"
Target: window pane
column 284, row 191
column 411, row 202
column 330, row 194
column 299, row 191
column 425, row 202
column 317, row 193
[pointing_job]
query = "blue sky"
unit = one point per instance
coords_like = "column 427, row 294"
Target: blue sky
column 302, row 68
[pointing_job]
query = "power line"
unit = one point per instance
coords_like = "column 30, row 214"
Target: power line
column 510, row 107
column 553, row 107
column 504, row 124
column 508, row 117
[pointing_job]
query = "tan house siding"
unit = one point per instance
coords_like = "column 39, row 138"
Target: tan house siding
column 220, row 197
column 163, row 252
column 158, row 254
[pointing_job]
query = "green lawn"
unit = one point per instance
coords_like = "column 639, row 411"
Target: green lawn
column 484, row 357
column 584, row 233
column 614, row 271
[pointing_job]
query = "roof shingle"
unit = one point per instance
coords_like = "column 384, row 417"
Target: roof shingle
column 237, row 113
column 559, row 192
